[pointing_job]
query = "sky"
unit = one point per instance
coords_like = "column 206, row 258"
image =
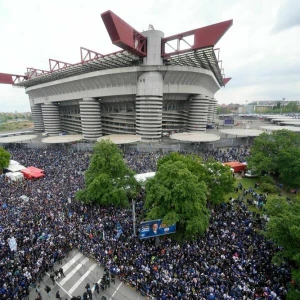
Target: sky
column 260, row 51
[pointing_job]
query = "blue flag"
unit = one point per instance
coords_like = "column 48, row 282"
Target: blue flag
column 119, row 230
column 4, row 205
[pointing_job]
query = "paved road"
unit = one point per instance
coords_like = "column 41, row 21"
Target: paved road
column 79, row 270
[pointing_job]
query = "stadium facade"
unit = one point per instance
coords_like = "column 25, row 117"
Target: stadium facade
column 154, row 85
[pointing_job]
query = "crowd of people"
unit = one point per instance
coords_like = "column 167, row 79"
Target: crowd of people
column 232, row 261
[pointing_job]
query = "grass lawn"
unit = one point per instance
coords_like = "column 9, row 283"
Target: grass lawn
column 11, row 126
column 250, row 182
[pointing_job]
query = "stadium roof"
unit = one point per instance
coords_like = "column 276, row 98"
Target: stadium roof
column 200, row 52
column 109, row 61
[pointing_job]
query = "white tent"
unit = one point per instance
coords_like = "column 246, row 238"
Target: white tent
column 15, row 176
column 144, row 176
column 15, row 167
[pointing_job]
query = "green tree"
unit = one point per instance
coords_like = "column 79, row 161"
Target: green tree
column 292, row 106
column 218, row 178
column 4, row 158
column 177, row 196
column 181, row 188
column 108, row 179
column 284, row 229
column 278, row 153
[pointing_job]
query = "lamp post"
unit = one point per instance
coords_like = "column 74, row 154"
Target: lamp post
column 282, row 105
column 133, row 217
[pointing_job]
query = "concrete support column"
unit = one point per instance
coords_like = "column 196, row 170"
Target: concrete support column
column 51, row 118
column 148, row 106
column 198, row 111
column 210, row 111
column 37, row 117
column 90, row 112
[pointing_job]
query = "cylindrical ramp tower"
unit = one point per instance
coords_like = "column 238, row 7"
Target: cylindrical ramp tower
column 198, row 111
column 210, row 115
column 215, row 109
column 149, row 96
column 37, row 117
column 148, row 106
column 51, row 118
column 90, row 118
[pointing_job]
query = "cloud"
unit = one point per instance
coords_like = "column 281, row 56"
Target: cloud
column 263, row 65
column 288, row 16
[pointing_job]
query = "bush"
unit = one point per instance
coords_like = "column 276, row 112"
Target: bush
column 269, row 188
column 267, row 179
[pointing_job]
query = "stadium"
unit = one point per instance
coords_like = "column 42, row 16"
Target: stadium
column 154, row 85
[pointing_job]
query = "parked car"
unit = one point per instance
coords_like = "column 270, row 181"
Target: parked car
column 251, row 174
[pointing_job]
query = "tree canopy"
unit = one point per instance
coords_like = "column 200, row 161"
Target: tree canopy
column 277, row 153
column 108, row 180
column 284, row 229
column 218, row 178
column 4, row 158
column 180, row 189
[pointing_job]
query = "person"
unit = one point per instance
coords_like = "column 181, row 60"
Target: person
column 48, row 290
column 154, row 229
column 103, row 284
column 52, row 276
column 97, row 287
column 38, row 289
column 57, row 274
column 90, row 294
column 61, row 272
column 57, row 295
column 112, row 276
column 38, row 297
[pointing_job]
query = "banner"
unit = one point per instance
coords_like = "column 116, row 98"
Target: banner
column 119, row 230
column 155, row 228
column 12, row 244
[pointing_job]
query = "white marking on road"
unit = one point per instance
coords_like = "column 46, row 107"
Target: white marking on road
column 68, row 276
column 69, row 264
column 115, row 291
column 75, row 286
column 61, row 287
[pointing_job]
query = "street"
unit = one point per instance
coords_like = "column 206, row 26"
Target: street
column 80, row 270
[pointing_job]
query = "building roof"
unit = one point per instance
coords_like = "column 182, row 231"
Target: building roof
column 121, row 138
column 195, row 137
column 61, row 139
column 274, row 127
column 17, row 139
column 242, row 132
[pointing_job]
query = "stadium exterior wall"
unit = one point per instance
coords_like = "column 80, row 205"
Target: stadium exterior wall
column 119, row 87
column 150, row 100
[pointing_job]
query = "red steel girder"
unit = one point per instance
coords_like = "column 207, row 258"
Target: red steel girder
column 56, row 65
column 11, row 78
column 226, row 80
column 204, row 37
column 88, row 55
column 123, row 35
column 32, row 72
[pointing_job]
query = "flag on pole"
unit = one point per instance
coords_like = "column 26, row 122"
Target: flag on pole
column 119, row 230
column 12, row 244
